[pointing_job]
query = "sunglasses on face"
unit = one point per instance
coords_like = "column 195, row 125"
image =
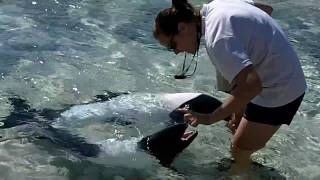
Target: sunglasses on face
column 171, row 47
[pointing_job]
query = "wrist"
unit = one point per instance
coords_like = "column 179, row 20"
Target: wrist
column 212, row 119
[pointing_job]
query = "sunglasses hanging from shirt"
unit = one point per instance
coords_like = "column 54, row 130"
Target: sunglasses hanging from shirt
column 185, row 69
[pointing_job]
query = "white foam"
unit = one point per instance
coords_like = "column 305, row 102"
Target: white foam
column 116, row 147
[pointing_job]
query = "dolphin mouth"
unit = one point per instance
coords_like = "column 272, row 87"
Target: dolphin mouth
column 188, row 135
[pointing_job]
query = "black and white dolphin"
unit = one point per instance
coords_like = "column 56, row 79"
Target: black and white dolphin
column 165, row 144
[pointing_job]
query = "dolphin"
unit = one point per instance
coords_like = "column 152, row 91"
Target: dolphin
column 165, row 144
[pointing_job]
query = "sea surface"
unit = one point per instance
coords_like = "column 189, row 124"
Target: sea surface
column 81, row 74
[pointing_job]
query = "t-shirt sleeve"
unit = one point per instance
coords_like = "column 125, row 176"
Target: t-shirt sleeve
column 229, row 57
column 247, row 1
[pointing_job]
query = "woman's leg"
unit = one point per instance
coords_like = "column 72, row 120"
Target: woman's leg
column 248, row 138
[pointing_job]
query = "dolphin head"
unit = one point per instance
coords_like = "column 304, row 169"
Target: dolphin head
column 166, row 144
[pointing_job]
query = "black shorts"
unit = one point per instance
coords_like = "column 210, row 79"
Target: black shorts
column 273, row 115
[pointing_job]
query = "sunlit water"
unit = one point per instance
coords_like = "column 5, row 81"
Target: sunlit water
column 60, row 55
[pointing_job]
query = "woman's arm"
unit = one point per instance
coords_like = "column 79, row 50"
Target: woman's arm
column 248, row 85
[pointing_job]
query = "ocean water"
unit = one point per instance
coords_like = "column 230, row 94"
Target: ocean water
column 76, row 74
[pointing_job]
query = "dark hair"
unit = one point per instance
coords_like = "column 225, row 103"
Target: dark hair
column 167, row 20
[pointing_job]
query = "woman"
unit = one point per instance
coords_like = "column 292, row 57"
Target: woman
column 251, row 51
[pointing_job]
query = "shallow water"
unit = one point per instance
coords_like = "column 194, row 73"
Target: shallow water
column 57, row 54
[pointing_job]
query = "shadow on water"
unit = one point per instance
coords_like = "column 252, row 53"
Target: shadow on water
column 219, row 170
column 88, row 170
column 260, row 171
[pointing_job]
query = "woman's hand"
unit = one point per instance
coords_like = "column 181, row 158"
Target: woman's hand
column 194, row 119
column 234, row 122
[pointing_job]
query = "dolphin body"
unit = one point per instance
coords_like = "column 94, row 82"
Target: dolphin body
column 165, row 144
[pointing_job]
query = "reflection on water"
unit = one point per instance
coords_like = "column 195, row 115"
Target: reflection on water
column 56, row 54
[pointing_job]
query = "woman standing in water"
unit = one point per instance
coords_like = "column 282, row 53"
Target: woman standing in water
column 251, row 52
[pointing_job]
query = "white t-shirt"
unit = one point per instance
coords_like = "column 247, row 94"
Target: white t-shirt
column 238, row 34
column 247, row 1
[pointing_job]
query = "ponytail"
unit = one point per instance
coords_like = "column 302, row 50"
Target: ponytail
column 168, row 19
column 182, row 5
